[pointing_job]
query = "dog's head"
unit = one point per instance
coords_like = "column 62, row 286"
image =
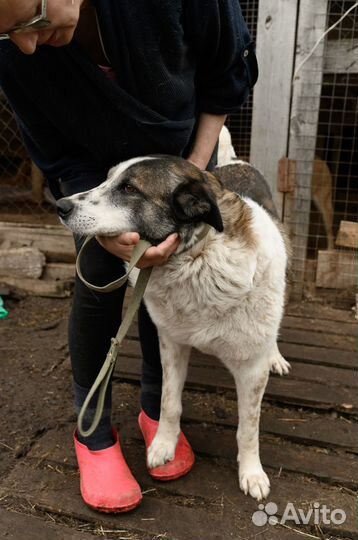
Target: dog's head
column 154, row 196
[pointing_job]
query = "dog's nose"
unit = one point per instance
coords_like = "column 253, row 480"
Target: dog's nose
column 64, row 207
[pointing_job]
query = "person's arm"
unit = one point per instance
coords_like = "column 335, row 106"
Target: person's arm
column 209, row 127
column 63, row 14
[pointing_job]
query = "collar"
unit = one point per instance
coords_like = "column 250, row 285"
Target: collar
column 197, row 238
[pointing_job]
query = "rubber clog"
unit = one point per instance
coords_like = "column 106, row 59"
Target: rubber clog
column 107, row 484
column 184, row 458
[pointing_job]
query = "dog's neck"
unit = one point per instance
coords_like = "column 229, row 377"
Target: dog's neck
column 193, row 239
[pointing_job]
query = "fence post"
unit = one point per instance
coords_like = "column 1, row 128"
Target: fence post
column 306, row 94
column 275, row 48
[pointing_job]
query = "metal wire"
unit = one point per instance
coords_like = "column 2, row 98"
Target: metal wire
column 240, row 123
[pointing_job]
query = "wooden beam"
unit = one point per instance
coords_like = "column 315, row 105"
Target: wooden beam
column 14, row 524
column 303, row 130
column 59, row 271
column 347, row 235
column 341, row 56
column 55, row 242
column 336, row 269
column 22, row 262
column 38, row 287
column 276, row 30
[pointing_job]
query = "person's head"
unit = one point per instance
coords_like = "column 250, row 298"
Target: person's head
column 64, row 17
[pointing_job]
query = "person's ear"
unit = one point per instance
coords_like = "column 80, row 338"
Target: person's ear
column 193, row 202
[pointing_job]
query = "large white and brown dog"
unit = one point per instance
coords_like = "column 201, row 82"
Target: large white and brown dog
column 222, row 294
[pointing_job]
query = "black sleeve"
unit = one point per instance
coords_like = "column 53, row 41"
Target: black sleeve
column 226, row 61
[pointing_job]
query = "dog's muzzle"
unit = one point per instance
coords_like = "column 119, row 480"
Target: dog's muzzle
column 64, row 208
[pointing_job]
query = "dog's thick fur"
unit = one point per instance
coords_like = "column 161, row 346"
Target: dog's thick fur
column 222, row 294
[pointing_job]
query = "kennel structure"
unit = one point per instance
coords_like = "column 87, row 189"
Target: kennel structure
column 299, row 127
column 303, row 134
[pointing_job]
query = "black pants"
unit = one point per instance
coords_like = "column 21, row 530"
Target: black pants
column 95, row 319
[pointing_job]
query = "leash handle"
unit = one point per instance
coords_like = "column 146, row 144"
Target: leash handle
column 105, row 374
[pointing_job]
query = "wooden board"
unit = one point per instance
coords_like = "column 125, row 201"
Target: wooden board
column 303, row 426
column 299, row 371
column 332, row 469
column 292, row 335
column 280, row 390
column 22, row 262
column 55, row 242
column 336, row 269
column 348, row 230
column 39, row 287
column 212, row 488
column 320, row 312
column 59, row 271
column 306, row 93
column 275, row 47
column 319, row 339
column 59, row 494
column 316, row 355
column 297, row 350
column 306, row 361
column 319, row 325
column 16, row 526
column 298, row 426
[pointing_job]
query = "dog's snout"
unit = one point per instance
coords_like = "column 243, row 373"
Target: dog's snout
column 64, row 207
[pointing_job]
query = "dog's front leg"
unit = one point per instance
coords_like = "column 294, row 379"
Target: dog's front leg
column 174, row 358
column 251, row 379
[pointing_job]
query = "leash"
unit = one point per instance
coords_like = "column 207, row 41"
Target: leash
column 104, row 376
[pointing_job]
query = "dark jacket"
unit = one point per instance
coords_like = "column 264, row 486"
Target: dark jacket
column 173, row 59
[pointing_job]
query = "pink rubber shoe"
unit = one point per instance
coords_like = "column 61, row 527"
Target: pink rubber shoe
column 107, row 484
column 184, row 458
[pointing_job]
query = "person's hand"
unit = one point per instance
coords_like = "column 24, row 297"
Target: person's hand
column 63, row 14
column 123, row 244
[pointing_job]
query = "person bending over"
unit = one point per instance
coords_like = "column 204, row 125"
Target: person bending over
column 107, row 81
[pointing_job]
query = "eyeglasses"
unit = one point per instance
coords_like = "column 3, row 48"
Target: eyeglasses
column 36, row 23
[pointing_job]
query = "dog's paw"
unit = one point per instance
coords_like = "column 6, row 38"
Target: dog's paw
column 255, row 482
column 279, row 365
column 160, row 452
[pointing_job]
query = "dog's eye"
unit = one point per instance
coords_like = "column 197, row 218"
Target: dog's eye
column 128, row 188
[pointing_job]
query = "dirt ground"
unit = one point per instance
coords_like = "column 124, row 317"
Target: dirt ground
column 35, row 383
column 35, row 399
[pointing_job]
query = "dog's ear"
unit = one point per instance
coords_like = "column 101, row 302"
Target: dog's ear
column 193, row 202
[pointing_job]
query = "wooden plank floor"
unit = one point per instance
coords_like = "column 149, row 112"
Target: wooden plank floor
column 308, row 440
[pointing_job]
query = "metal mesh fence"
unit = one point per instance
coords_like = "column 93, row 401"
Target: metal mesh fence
column 332, row 242
column 321, row 212
column 240, row 123
column 337, row 141
column 21, row 183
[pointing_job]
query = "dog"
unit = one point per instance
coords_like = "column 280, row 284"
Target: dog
column 222, row 293
column 321, row 182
